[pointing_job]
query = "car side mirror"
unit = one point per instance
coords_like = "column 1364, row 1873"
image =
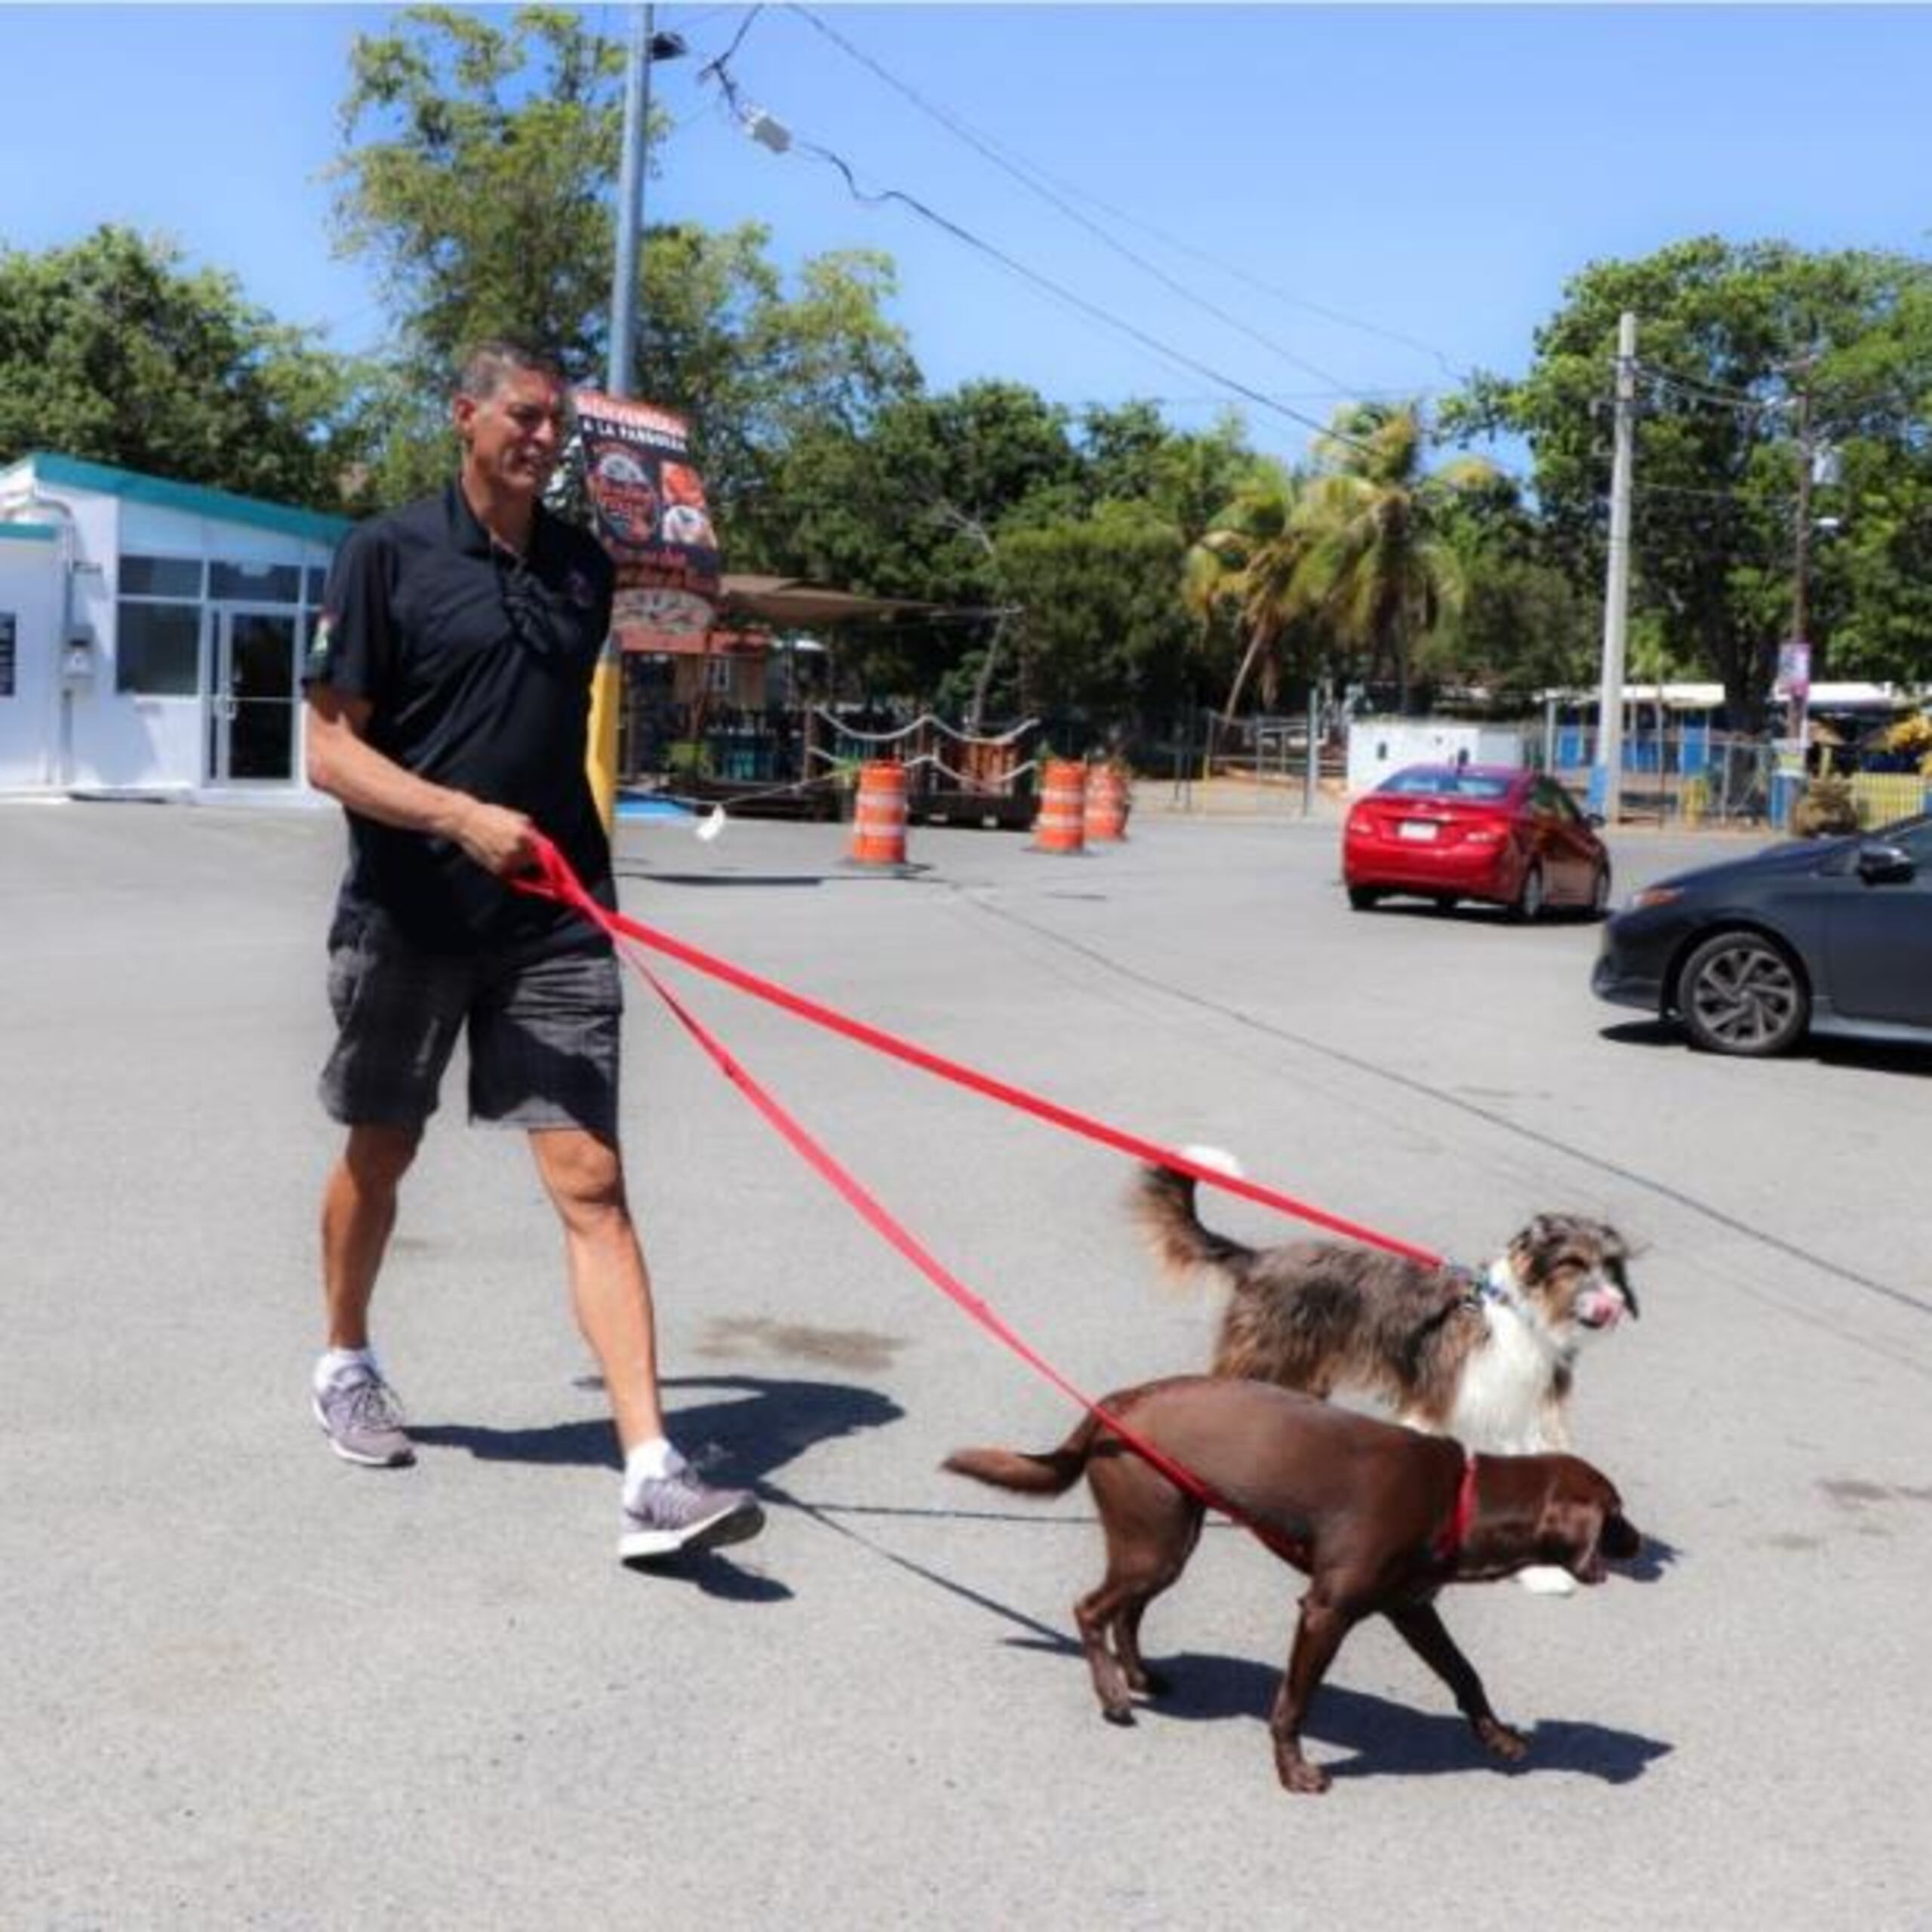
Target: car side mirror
column 1884, row 865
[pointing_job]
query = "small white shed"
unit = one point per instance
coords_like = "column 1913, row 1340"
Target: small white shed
column 1379, row 745
column 152, row 633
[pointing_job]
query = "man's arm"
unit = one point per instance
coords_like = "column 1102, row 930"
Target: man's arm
column 342, row 762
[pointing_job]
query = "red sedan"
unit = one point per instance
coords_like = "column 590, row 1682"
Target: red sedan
column 1488, row 831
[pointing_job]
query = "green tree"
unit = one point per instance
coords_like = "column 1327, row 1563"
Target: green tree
column 115, row 350
column 478, row 173
column 761, row 372
column 1729, row 335
column 1376, row 568
column 1246, row 569
column 479, row 166
column 1105, row 633
column 1524, row 626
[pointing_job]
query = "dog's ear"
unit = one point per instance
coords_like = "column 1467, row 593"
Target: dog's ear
column 1570, row 1534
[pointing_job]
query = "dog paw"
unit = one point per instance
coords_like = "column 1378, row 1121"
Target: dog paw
column 1146, row 1683
column 1297, row 1774
column 1120, row 1714
column 1544, row 1579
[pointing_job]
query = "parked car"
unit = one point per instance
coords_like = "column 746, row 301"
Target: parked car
column 1833, row 937
column 1488, row 831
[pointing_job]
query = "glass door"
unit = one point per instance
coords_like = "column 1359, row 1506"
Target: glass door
column 251, row 696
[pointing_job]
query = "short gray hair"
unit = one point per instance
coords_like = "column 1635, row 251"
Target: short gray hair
column 484, row 365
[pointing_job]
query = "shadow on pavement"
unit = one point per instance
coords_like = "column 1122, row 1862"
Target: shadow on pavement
column 761, row 1424
column 1386, row 1739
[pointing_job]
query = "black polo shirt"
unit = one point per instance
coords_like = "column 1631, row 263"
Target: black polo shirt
column 478, row 664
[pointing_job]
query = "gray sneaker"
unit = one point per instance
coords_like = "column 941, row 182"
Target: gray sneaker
column 363, row 1420
column 677, row 1512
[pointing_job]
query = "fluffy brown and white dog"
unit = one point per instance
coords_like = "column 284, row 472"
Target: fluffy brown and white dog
column 1488, row 1359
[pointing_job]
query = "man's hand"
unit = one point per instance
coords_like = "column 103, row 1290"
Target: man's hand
column 500, row 841
column 344, row 764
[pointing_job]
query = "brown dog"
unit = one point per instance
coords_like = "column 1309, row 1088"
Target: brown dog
column 1489, row 1359
column 1379, row 1516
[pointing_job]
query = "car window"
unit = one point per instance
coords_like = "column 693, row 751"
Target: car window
column 1439, row 784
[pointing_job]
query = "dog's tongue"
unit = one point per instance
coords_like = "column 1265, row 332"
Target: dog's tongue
column 1601, row 1309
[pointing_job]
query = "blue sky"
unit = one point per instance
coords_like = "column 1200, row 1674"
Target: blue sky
column 1436, row 172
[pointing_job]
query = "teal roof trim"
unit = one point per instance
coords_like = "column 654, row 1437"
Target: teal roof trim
column 70, row 472
column 29, row 533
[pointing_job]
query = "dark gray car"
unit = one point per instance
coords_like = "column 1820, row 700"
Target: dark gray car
column 1833, row 937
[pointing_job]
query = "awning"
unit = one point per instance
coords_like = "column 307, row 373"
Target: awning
column 791, row 600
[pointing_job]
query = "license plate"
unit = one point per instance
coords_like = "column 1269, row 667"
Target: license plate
column 1421, row 829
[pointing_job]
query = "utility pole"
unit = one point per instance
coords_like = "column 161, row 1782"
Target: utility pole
column 1798, row 696
column 1606, row 778
column 607, row 683
column 630, row 205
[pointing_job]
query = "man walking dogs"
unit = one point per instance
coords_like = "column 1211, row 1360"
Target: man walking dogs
column 448, row 699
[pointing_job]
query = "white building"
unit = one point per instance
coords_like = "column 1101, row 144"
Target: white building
column 151, row 633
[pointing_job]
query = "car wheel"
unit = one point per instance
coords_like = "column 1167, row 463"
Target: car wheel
column 1600, row 892
column 1529, row 895
column 1363, row 897
column 1739, row 993
column 1445, row 902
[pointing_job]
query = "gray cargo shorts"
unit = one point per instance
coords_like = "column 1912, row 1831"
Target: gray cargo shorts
column 542, row 1033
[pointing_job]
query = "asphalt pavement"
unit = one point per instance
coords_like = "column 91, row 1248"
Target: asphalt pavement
column 249, row 1685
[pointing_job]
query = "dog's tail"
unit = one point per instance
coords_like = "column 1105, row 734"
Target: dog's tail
column 1162, row 1202
column 1051, row 1474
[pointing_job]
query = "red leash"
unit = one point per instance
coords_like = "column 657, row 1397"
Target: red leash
column 557, row 881
column 561, row 883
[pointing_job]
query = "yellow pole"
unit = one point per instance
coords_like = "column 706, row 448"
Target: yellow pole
column 606, row 684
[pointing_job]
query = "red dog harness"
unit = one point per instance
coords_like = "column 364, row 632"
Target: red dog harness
column 1449, row 1538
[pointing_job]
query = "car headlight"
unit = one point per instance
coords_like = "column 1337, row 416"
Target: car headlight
column 1655, row 895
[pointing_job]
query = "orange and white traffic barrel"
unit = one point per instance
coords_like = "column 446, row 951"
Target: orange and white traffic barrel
column 1059, row 825
column 1106, row 802
column 878, row 819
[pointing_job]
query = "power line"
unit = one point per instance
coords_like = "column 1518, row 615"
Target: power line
column 1035, row 183
column 1032, row 177
column 718, row 70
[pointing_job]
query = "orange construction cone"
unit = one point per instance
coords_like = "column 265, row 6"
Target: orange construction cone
column 1106, row 802
column 1060, row 825
column 878, row 819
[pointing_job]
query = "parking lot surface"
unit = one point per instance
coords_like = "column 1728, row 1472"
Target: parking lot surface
column 249, row 1685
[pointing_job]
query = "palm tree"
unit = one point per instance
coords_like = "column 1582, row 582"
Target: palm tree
column 1372, row 565
column 1246, row 567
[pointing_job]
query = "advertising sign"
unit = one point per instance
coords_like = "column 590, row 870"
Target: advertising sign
column 1794, row 671
column 649, row 511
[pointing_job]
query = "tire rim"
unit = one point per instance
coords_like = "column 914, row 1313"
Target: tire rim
column 1745, row 996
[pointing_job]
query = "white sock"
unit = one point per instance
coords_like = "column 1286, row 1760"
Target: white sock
column 336, row 1361
column 650, row 1462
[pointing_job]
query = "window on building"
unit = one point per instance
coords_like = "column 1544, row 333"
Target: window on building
column 255, row 583
column 314, row 579
column 157, row 650
column 161, row 576
column 719, row 680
